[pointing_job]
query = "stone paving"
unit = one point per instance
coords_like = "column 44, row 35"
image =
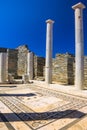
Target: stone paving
column 38, row 107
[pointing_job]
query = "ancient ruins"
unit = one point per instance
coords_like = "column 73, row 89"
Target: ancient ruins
column 21, row 63
column 16, row 62
column 38, row 93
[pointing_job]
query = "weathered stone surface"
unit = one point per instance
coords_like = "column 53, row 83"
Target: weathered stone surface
column 10, row 78
column 85, row 72
column 22, row 60
column 25, row 78
column 3, row 67
column 32, row 107
column 30, row 65
column 12, row 61
column 17, row 62
column 63, row 66
column 39, row 63
column 62, row 70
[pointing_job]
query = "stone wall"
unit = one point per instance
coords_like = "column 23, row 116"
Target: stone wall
column 71, row 68
column 59, row 69
column 63, row 69
column 39, row 63
column 22, row 60
column 85, row 72
column 63, row 65
column 16, row 60
column 12, row 61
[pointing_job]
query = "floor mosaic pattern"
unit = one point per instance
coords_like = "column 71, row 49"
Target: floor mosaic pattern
column 38, row 108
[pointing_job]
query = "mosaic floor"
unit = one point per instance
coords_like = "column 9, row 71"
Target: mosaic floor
column 37, row 108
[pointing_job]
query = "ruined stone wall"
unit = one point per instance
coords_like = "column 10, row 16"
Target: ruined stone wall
column 59, row 69
column 16, row 60
column 63, row 65
column 63, row 69
column 22, row 60
column 39, row 63
column 85, row 72
column 12, row 61
column 71, row 69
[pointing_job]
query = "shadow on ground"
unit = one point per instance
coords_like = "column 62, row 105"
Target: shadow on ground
column 6, row 117
column 8, row 86
column 26, row 94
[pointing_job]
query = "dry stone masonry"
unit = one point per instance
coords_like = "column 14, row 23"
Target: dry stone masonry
column 12, row 61
column 39, row 63
column 22, row 60
column 85, row 72
column 17, row 64
column 63, row 66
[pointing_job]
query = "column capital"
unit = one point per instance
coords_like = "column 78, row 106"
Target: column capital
column 49, row 21
column 78, row 5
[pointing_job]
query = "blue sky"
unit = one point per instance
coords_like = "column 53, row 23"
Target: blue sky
column 23, row 22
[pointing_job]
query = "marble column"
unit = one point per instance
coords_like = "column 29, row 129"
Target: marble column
column 49, row 40
column 79, row 45
column 3, row 71
column 30, row 65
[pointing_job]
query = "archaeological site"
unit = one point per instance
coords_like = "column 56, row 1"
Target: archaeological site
column 38, row 93
column 15, row 64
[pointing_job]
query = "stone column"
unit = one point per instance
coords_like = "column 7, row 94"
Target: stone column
column 79, row 70
column 3, row 71
column 49, row 40
column 30, row 65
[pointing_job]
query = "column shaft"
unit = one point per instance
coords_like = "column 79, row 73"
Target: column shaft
column 30, row 65
column 49, row 40
column 3, row 60
column 79, row 45
column 79, row 71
